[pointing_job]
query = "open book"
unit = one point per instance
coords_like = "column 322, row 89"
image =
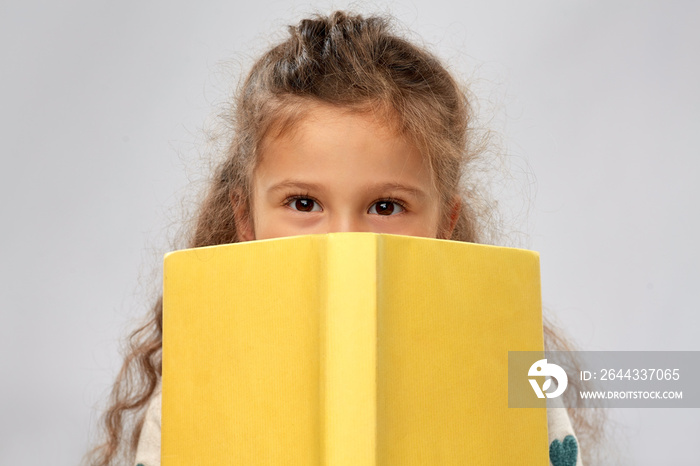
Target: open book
column 348, row 349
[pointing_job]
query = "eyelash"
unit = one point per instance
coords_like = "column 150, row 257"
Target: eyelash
column 392, row 200
column 293, row 197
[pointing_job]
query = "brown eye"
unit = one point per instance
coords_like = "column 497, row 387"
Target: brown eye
column 386, row 208
column 304, row 204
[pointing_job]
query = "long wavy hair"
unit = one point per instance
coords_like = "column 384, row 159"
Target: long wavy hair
column 349, row 61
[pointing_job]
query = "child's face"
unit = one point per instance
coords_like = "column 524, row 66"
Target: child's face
column 337, row 171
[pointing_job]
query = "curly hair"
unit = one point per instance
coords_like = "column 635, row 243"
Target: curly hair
column 344, row 60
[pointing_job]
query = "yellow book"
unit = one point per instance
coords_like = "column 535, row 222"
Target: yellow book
column 348, row 349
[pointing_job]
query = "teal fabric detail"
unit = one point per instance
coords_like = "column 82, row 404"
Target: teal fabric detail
column 564, row 453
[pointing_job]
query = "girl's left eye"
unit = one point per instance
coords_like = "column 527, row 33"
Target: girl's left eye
column 386, row 208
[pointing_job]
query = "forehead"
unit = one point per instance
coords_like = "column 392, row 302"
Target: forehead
column 336, row 137
column 288, row 114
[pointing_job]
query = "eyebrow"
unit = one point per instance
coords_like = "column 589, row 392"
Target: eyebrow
column 293, row 184
column 304, row 186
column 408, row 189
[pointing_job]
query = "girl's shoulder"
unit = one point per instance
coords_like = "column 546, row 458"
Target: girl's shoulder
column 148, row 449
column 563, row 443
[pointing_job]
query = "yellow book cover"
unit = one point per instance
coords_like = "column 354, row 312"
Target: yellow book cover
column 348, row 349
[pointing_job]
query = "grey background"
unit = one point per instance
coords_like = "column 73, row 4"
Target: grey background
column 101, row 108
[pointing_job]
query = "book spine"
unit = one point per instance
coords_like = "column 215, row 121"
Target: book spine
column 349, row 352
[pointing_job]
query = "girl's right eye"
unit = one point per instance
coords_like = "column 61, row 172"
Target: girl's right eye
column 304, row 204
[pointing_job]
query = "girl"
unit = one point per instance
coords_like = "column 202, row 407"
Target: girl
column 344, row 126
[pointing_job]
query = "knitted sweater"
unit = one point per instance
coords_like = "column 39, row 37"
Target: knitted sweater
column 563, row 444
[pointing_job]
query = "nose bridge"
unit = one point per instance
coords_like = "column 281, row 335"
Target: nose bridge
column 345, row 221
